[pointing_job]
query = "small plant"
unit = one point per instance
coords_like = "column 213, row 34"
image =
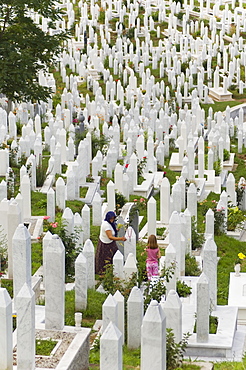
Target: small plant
column 235, row 218
column 160, row 231
column 141, row 166
column 69, row 240
column 89, row 178
column 239, row 259
column 226, row 155
column 139, row 204
column 197, row 239
column 130, row 33
column 183, row 289
column 40, row 175
column 191, row 266
column 111, row 283
column 120, row 200
column 101, row 16
column 217, row 167
column 175, row 351
column 157, row 289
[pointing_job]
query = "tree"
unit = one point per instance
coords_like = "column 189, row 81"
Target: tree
column 25, row 49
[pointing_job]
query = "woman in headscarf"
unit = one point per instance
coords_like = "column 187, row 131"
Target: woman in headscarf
column 107, row 246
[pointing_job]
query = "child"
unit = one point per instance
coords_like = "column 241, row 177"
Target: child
column 153, row 254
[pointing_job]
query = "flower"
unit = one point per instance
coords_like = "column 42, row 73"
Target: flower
column 46, row 217
column 241, row 256
column 54, row 225
column 135, row 200
column 127, row 165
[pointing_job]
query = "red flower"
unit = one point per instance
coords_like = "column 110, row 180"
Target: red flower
column 127, row 165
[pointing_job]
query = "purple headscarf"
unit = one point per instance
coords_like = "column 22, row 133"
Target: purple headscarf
column 108, row 217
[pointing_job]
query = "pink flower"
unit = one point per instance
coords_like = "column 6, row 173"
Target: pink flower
column 213, row 201
column 164, row 173
column 46, row 217
column 135, row 200
column 142, row 200
column 38, row 237
column 54, row 225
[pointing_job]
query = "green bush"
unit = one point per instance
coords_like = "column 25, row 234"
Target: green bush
column 217, row 167
column 197, row 239
column 175, row 351
column 226, row 155
column 183, row 289
column 191, row 266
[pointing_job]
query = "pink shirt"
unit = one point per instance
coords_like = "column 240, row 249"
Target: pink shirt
column 152, row 255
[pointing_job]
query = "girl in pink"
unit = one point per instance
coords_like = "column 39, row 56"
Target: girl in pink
column 153, row 255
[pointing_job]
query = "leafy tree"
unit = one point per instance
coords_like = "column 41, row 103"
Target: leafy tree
column 25, row 49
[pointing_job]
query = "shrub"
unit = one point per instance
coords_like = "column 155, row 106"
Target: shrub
column 191, row 266
column 120, row 200
column 197, row 239
column 226, row 155
column 183, row 289
column 175, row 351
column 234, row 218
column 40, row 175
column 217, row 167
column 156, row 289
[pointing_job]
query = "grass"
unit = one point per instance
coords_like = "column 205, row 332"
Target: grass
column 38, row 203
column 228, row 249
column 8, row 284
column 213, row 324
column 37, row 256
column 75, row 205
column 219, row 106
column 93, row 311
column 230, row 365
column 44, row 347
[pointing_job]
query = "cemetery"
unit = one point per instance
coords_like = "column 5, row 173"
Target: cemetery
column 147, row 118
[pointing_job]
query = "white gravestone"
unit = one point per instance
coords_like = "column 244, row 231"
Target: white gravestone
column 55, row 289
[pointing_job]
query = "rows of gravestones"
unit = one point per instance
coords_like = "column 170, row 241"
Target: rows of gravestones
column 137, row 105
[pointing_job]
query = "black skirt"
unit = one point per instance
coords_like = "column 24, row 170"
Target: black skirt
column 104, row 255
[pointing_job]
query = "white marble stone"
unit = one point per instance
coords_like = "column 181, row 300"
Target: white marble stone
column 202, row 319
column 80, row 282
column 109, row 312
column 6, row 329
column 134, row 318
column 21, row 244
column 25, row 310
column 111, row 348
column 172, row 308
column 13, row 220
column 55, row 284
column 153, row 338
column 121, row 313
column 210, row 269
column 89, row 254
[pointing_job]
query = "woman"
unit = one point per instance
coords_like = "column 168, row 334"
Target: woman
column 107, row 246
